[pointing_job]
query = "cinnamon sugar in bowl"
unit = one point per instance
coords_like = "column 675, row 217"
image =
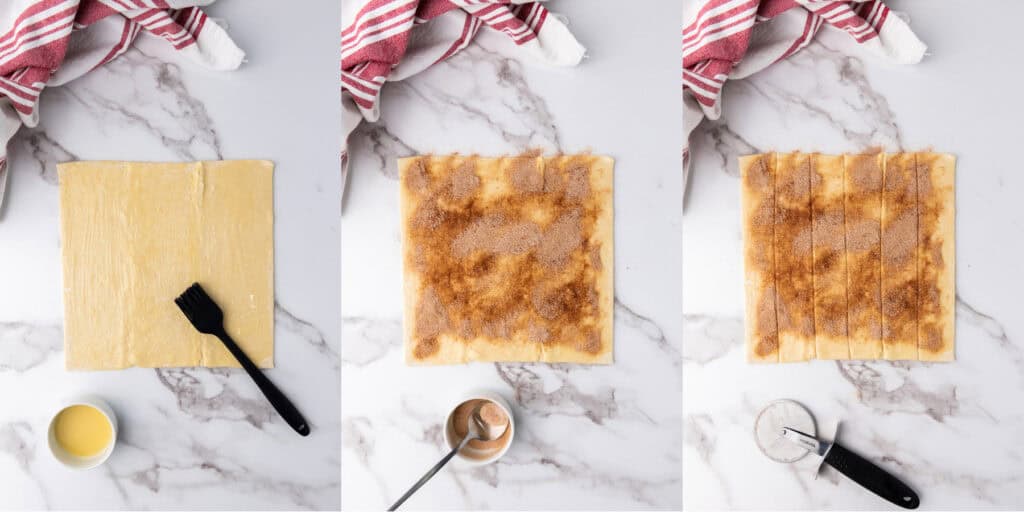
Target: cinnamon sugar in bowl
column 494, row 410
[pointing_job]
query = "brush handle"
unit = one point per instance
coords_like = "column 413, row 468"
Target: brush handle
column 280, row 402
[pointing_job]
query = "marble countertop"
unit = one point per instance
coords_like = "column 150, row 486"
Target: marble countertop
column 190, row 438
column 952, row 431
column 587, row 437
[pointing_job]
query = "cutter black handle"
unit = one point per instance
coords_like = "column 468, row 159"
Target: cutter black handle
column 280, row 402
column 872, row 477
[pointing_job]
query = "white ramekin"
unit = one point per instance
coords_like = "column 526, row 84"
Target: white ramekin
column 74, row 461
column 485, row 395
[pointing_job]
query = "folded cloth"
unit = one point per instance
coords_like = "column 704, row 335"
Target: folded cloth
column 732, row 39
column 379, row 44
column 51, row 42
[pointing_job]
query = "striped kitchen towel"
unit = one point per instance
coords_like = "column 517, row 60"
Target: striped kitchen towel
column 51, row 42
column 732, row 39
column 390, row 40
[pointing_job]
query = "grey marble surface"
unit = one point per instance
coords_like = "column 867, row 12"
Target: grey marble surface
column 588, row 437
column 952, row 431
column 189, row 438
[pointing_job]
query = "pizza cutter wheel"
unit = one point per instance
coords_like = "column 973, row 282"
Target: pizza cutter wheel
column 768, row 430
column 785, row 432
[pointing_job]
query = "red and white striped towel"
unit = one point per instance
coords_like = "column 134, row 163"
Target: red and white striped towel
column 390, row 40
column 51, row 42
column 732, row 39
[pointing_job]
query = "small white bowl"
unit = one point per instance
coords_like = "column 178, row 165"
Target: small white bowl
column 483, row 395
column 74, row 461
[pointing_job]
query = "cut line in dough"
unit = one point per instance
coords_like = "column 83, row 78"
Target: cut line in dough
column 862, row 256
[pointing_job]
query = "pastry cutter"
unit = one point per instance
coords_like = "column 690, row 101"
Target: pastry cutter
column 785, row 432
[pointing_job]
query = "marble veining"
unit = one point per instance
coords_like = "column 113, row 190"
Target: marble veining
column 189, row 389
column 383, row 145
column 46, row 152
column 524, row 120
column 150, row 96
column 888, row 387
column 839, row 95
column 188, row 437
column 307, row 332
column 712, row 337
column 951, row 430
column 587, row 437
column 24, row 346
column 649, row 328
column 378, row 336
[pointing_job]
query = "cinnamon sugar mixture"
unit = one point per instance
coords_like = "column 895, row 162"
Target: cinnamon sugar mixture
column 505, row 250
column 849, row 256
column 492, row 414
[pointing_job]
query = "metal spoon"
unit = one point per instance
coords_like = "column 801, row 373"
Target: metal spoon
column 477, row 429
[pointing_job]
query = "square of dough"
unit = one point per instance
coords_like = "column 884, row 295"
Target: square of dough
column 849, row 256
column 135, row 235
column 507, row 259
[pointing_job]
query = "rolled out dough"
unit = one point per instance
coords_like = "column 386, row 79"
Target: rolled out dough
column 507, row 259
column 135, row 235
column 860, row 259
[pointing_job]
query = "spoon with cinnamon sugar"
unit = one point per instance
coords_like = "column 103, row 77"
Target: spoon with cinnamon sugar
column 488, row 421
